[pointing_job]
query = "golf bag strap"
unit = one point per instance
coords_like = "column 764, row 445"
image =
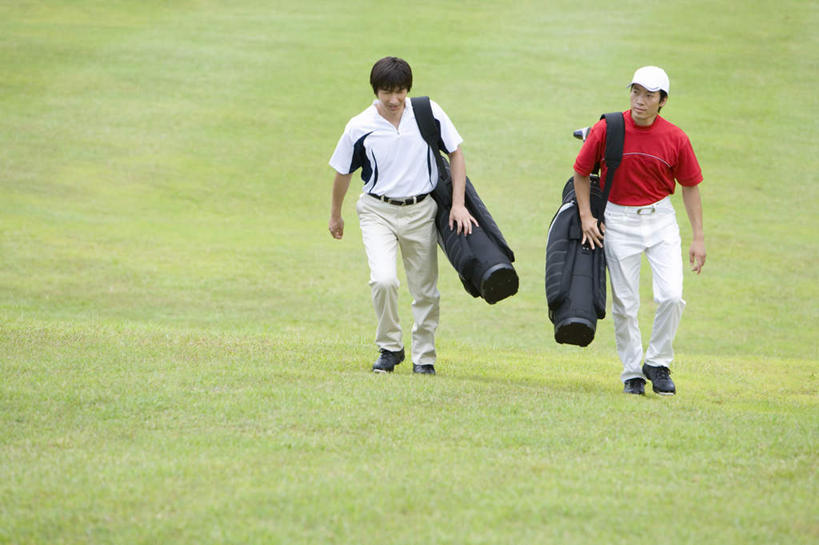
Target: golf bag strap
column 615, row 135
column 426, row 124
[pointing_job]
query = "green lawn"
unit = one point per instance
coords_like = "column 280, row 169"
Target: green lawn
column 185, row 351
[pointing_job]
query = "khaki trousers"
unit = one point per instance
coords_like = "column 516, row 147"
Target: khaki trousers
column 386, row 228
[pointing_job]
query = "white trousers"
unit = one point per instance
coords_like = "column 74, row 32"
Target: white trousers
column 630, row 232
column 386, row 228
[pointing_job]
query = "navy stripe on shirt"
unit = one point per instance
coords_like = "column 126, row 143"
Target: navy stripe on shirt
column 360, row 159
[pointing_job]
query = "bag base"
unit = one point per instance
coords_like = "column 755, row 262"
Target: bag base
column 499, row 282
column 576, row 331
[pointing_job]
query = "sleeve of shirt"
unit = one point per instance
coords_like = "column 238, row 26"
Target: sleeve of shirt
column 449, row 134
column 687, row 171
column 342, row 159
column 592, row 151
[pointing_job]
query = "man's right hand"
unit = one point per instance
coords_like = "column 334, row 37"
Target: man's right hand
column 592, row 234
column 336, row 227
column 593, row 231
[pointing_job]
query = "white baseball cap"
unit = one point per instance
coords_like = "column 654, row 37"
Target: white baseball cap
column 652, row 78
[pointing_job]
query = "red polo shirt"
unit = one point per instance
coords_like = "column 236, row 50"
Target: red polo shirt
column 653, row 158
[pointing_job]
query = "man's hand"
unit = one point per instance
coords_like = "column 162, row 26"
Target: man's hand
column 696, row 256
column 461, row 220
column 592, row 233
column 337, row 227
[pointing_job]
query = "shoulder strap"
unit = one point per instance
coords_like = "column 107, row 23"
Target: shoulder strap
column 615, row 135
column 422, row 109
column 423, row 116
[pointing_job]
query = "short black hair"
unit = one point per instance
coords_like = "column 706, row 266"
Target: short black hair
column 391, row 73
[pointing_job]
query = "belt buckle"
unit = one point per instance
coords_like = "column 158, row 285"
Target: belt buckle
column 646, row 210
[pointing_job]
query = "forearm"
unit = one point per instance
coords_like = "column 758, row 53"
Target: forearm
column 457, row 167
column 592, row 232
column 459, row 216
column 341, row 183
column 582, row 194
column 693, row 207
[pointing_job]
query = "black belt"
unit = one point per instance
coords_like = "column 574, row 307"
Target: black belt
column 399, row 202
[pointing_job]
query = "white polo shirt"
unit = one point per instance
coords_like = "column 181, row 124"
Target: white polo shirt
column 394, row 162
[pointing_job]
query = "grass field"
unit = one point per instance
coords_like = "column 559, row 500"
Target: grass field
column 185, row 351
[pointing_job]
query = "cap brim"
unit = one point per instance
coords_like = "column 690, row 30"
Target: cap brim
column 647, row 88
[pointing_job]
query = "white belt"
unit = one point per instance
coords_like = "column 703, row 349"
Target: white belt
column 642, row 210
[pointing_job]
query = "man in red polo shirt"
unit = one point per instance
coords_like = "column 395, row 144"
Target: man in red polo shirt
column 640, row 219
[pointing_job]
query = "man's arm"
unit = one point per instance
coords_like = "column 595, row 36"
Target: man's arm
column 582, row 192
column 693, row 207
column 340, row 185
column 459, row 216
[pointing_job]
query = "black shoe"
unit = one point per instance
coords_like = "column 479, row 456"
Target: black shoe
column 634, row 386
column 387, row 361
column 660, row 378
column 423, row 369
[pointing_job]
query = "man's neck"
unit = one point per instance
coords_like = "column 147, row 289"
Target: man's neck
column 643, row 122
column 393, row 117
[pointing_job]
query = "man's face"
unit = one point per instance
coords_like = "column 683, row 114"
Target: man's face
column 645, row 104
column 392, row 99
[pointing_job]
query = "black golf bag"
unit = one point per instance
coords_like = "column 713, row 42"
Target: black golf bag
column 576, row 274
column 482, row 259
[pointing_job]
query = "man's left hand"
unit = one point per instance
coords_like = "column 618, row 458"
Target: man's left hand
column 461, row 220
column 696, row 256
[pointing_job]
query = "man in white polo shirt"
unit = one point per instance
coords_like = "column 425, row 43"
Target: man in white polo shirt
column 395, row 210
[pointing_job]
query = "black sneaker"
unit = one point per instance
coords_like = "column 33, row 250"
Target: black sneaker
column 387, row 361
column 660, row 378
column 634, row 386
column 428, row 369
